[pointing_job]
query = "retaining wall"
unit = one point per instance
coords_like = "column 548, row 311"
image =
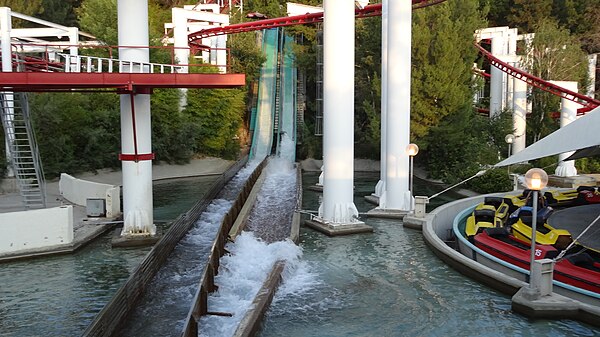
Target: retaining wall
column 23, row 231
column 78, row 191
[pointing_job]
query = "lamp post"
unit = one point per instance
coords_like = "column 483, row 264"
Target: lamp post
column 535, row 179
column 509, row 139
column 412, row 150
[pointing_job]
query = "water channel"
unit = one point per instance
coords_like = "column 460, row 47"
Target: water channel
column 386, row 283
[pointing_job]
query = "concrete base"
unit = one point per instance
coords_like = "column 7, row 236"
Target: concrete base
column 387, row 213
column 410, row 221
column 133, row 240
column 372, row 199
column 336, row 230
column 571, row 182
column 550, row 306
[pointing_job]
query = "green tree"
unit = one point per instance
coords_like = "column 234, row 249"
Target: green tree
column 463, row 143
column 442, row 58
column 218, row 115
column 76, row 132
column 60, row 11
column 99, row 18
column 558, row 56
column 526, row 14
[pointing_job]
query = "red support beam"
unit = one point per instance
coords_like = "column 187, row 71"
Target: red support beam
column 123, row 82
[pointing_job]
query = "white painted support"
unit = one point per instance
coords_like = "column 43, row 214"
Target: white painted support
column 137, row 176
column 497, row 78
column 592, row 64
column 568, row 113
column 338, row 118
column 397, row 196
column 5, row 31
column 22, row 231
column 5, row 41
column 380, row 187
column 519, row 114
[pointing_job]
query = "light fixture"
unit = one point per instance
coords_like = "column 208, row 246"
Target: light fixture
column 535, row 179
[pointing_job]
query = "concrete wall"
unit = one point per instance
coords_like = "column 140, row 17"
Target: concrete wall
column 24, row 230
column 78, row 191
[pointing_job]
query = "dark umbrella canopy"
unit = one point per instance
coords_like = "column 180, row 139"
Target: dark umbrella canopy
column 576, row 220
column 591, row 151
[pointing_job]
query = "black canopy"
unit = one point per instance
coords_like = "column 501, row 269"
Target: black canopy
column 575, row 220
column 591, row 151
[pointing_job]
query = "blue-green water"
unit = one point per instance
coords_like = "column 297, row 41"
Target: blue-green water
column 60, row 295
column 388, row 283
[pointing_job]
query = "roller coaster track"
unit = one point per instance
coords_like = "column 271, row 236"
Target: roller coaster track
column 195, row 39
column 588, row 103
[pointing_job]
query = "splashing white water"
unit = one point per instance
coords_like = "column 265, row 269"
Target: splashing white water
column 242, row 274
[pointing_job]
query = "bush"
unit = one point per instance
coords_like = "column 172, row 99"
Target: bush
column 494, row 180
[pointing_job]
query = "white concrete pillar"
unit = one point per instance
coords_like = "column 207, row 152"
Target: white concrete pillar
column 180, row 38
column 338, row 115
column 397, row 195
column 5, row 28
column 592, row 63
column 222, row 53
column 380, row 187
column 137, row 175
column 497, row 77
column 568, row 113
column 519, row 114
column 5, row 41
column 181, row 49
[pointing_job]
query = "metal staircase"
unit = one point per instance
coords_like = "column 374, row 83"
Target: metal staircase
column 22, row 149
column 319, row 84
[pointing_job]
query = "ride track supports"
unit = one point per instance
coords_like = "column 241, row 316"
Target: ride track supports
column 519, row 115
column 397, row 197
column 136, row 142
column 568, row 114
column 5, row 48
column 380, row 187
column 337, row 208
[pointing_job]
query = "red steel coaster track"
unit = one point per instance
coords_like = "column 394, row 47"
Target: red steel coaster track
column 195, row 39
column 588, row 103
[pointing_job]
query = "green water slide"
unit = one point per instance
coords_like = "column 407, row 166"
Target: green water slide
column 286, row 146
column 262, row 138
column 274, row 118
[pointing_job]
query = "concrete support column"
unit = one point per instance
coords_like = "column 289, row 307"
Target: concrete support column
column 338, row 116
column 6, row 48
column 137, row 175
column 568, row 113
column 497, row 77
column 592, row 64
column 380, row 187
column 397, row 195
column 5, row 28
column 180, row 44
column 519, row 114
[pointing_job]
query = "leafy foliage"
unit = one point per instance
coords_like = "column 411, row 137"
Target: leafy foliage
column 463, row 143
column 76, row 132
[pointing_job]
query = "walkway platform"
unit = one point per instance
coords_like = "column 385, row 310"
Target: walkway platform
column 126, row 82
column 86, row 229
